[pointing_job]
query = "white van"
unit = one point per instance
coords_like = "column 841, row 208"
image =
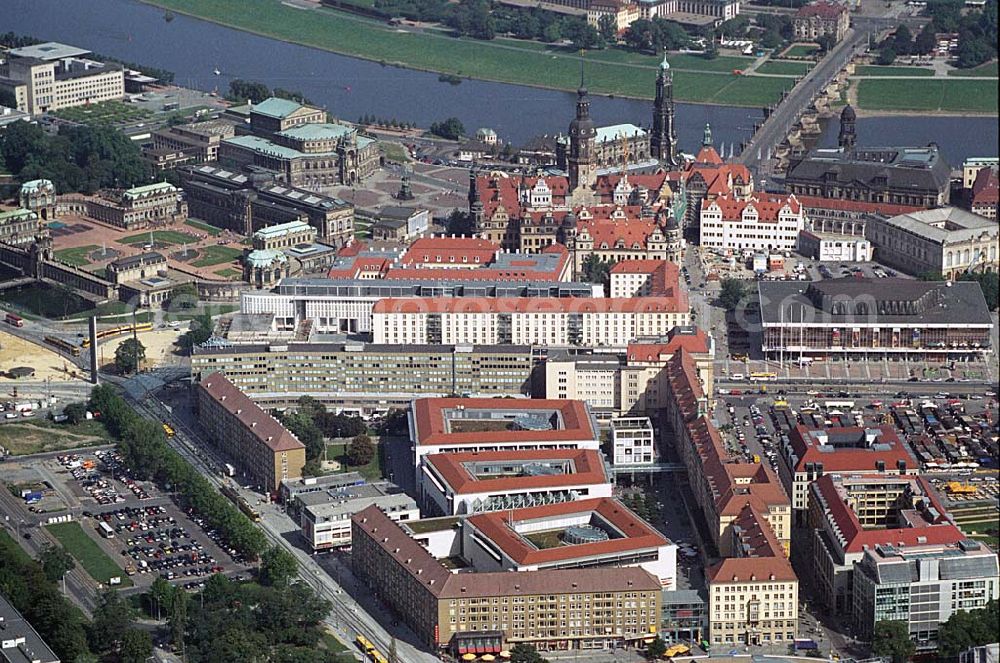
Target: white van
column 737, row 376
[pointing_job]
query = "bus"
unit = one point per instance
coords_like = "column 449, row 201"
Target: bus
column 240, row 503
column 168, row 429
column 105, row 530
column 763, row 377
column 839, row 405
column 65, row 346
column 676, row 650
column 14, row 320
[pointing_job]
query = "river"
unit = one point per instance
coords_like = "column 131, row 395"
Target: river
column 350, row 87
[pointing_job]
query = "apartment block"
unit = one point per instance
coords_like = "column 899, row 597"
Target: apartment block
column 763, row 222
column 264, row 452
column 480, row 613
column 361, row 378
column 555, row 321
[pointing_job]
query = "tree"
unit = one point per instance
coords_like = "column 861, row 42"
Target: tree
column 161, row 596
column 607, row 27
column 523, row 652
column 137, row 646
column 55, row 562
column 596, row 270
column 200, row 331
column 360, row 451
column 926, row 42
column 460, row 223
column 75, row 412
column 886, row 56
column 656, row 649
column 130, row 355
column 303, row 427
column 931, row 276
column 711, row 51
column 902, row 40
column 969, row 629
column 826, row 42
column 247, row 91
column 732, row 293
column 892, row 639
column 183, row 296
column 452, row 129
column 112, row 618
column 277, row 567
column 177, row 621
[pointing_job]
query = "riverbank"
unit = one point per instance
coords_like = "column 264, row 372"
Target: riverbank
column 611, row 72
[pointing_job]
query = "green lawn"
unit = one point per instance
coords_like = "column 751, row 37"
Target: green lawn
column 204, row 227
column 35, row 436
column 394, row 152
column 873, row 70
column 161, row 236
column 988, row 69
column 216, row 255
column 104, row 113
column 77, row 255
column 229, row 273
column 930, row 95
column 800, row 50
column 84, row 550
column 749, row 90
column 784, row 67
column 8, row 542
column 372, row 470
column 608, row 72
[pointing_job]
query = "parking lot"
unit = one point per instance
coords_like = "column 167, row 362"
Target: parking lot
column 137, row 525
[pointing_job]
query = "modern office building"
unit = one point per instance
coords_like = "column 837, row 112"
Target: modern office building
column 48, row 76
column 478, row 481
column 947, row 241
column 551, row 322
column 325, row 516
column 263, row 451
column 632, row 442
column 922, row 586
column 193, row 143
column 462, row 425
column 864, row 318
column 807, row 454
column 589, row 533
column 486, row 613
column 365, row 378
column 850, row 515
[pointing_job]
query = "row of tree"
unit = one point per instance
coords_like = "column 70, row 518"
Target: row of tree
column 902, row 42
column 79, row 158
column 243, row 91
column 145, row 451
column 977, row 30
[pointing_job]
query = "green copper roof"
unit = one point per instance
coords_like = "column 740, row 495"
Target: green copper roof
column 274, row 107
column 158, row 187
column 17, row 214
column 318, row 131
column 281, row 229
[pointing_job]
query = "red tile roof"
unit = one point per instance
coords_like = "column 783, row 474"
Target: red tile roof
column 761, row 555
column 985, row 188
column 769, row 206
column 861, row 206
column 636, row 533
column 821, row 9
column 657, row 304
column 263, row 426
column 588, row 469
column 450, row 251
column 848, row 459
column 697, row 343
column 855, row 538
column 432, row 428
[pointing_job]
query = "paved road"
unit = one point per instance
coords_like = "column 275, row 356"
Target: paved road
column 347, row 617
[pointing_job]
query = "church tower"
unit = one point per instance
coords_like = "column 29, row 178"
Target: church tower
column 582, row 144
column 663, row 142
column 847, row 136
column 675, row 240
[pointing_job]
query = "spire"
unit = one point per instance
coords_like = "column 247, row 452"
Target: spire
column 664, row 66
column 582, row 90
column 706, row 141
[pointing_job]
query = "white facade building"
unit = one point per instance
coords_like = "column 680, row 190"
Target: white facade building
column 551, row 322
column 827, row 247
column 632, row 441
column 328, row 524
column 763, row 222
